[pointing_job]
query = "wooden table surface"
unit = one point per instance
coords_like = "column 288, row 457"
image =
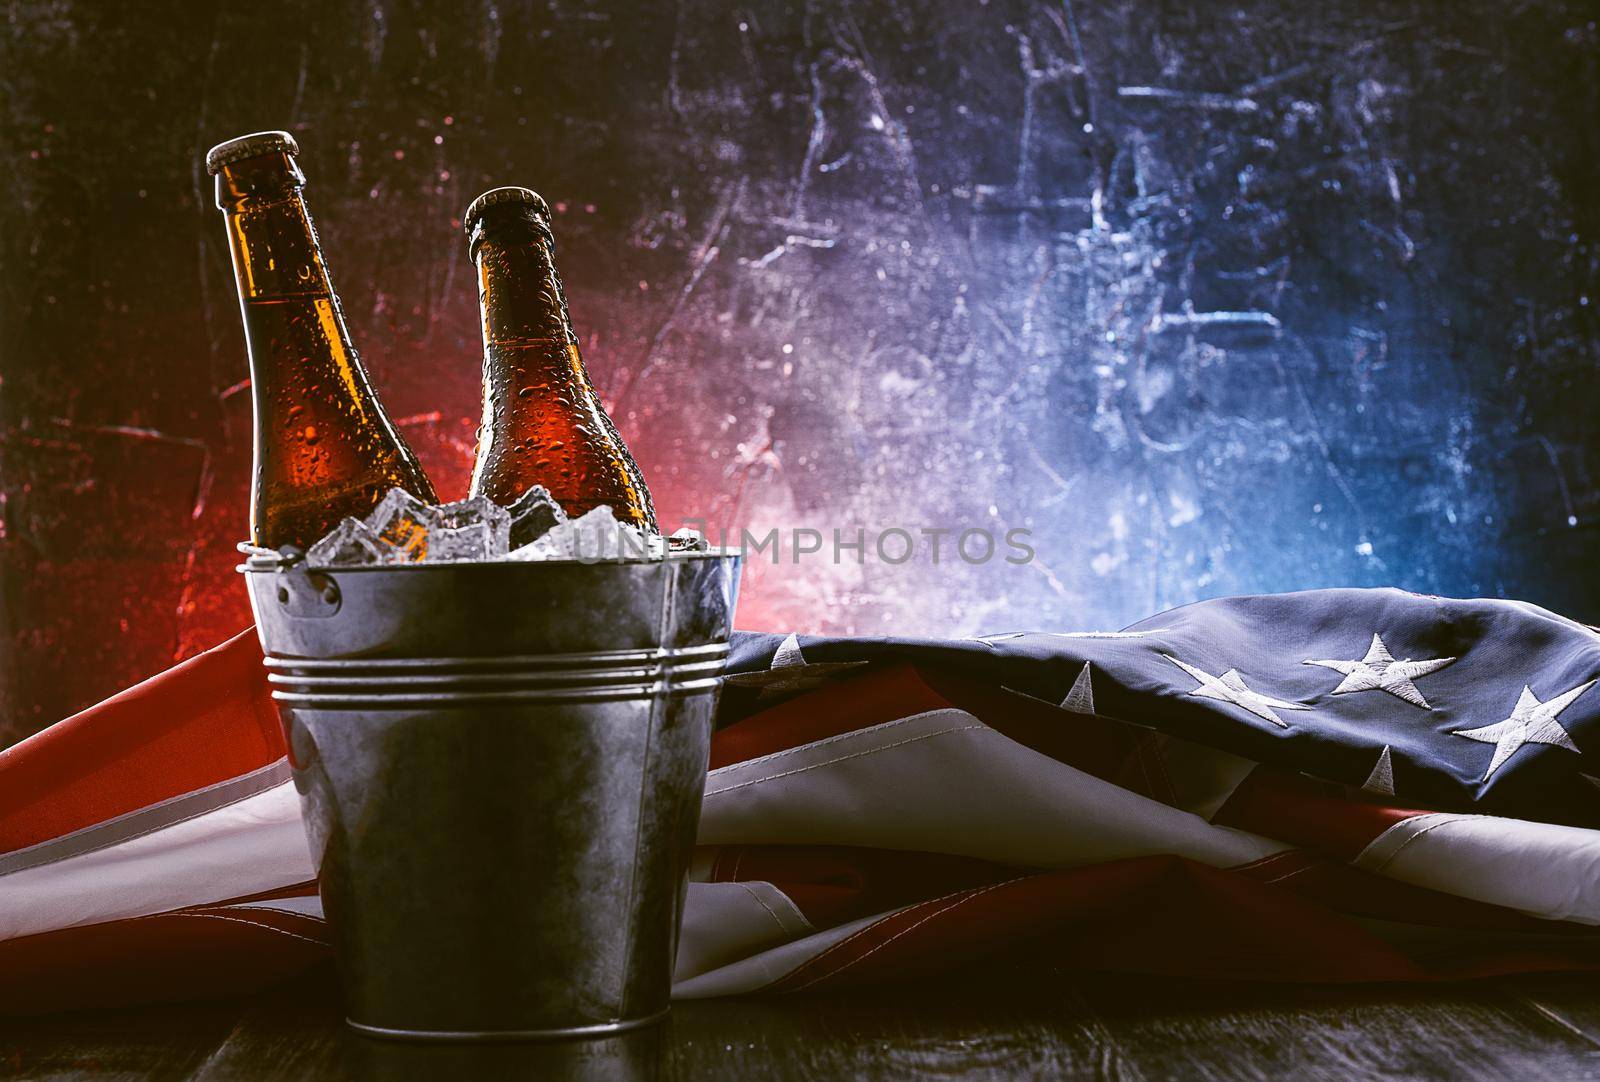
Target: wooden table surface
column 992, row 1023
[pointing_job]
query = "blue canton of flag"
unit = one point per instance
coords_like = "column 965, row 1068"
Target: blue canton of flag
column 1481, row 705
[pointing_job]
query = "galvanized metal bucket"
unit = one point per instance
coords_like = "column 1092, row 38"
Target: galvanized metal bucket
column 500, row 766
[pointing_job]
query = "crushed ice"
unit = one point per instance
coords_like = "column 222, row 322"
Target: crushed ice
column 404, row 530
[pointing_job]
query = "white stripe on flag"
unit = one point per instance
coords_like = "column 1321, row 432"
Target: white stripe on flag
column 305, row 905
column 760, row 970
column 141, row 821
column 944, row 782
column 723, row 922
column 1541, row 869
column 248, row 847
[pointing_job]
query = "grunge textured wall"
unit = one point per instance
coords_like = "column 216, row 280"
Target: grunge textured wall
column 1212, row 298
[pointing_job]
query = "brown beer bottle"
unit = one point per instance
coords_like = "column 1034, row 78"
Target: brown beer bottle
column 543, row 423
column 324, row 448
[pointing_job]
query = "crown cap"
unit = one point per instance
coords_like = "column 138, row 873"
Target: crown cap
column 249, row 146
column 496, row 197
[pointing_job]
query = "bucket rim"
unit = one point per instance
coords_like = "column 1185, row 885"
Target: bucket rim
column 260, row 561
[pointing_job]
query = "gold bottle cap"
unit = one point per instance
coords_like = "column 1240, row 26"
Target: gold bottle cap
column 495, row 197
column 248, row 146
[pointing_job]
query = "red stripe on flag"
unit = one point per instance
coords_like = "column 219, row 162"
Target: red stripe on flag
column 204, row 953
column 1161, row 915
column 204, row 721
column 833, row 885
column 1148, row 914
column 1313, row 814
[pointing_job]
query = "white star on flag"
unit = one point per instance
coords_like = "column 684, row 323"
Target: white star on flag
column 1230, row 688
column 1381, row 780
column 790, row 671
column 1531, row 722
column 1379, row 671
column 1080, row 698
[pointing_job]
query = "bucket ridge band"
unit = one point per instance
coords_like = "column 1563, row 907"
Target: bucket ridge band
column 477, row 681
column 513, row 662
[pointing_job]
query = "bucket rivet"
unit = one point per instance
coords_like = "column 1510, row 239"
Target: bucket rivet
column 283, row 595
column 330, row 594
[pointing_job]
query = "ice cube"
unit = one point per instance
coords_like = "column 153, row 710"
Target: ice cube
column 350, row 544
column 534, row 514
column 591, row 538
column 402, row 521
column 475, row 541
column 467, row 515
column 687, row 540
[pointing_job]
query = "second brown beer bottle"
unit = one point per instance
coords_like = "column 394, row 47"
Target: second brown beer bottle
column 324, row 448
column 543, row 422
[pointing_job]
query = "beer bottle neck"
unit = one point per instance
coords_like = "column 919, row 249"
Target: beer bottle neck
column 274, row 245
column 519, row 290
column 543, row 422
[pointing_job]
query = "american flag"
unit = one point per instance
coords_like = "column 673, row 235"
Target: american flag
column 1337, row 785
